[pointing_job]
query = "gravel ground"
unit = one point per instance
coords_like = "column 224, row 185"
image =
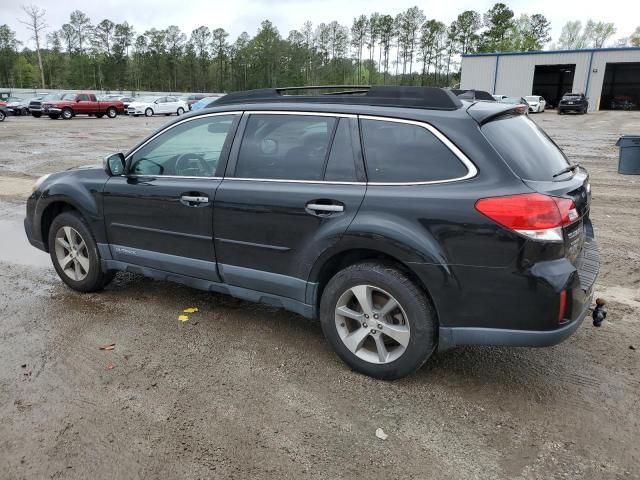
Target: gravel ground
column 246, row 391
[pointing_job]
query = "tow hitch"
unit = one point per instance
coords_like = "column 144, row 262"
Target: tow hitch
column 599, row 312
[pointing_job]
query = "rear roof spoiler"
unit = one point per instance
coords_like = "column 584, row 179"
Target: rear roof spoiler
column 483, row 112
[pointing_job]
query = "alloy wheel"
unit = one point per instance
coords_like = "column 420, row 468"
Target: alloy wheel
column 72, row 253
column 372, row 324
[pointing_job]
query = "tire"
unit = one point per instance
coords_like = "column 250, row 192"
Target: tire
column 24, row 111
column 83, row 272
column 36, row 114
column 54, row 116
column 67, row 113
column 2, row 116
column 148, row 112
column 112, row 112
column 99, row 115
column 413, row 321
column 180, row 111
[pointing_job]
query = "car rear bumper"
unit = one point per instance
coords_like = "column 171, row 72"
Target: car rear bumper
column 586, row 272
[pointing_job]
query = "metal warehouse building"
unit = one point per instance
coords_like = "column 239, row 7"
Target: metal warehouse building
column 610, row 77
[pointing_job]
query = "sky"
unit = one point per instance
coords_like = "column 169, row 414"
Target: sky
column 237, row 16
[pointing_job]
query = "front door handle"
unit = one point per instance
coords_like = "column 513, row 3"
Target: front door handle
column 322, row 208
column 191, row 199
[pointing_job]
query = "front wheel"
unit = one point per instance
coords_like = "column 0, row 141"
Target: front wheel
column 180, row 111
column 112, row 112
column 67, row 114
column 148, row 112
column 2, row 116
column 75, row 255
column 378, row 320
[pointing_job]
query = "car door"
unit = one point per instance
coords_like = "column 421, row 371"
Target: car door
column 83, row 104
column 293, row 185
column 171, row 106
column 160, row 213
column 159, row 105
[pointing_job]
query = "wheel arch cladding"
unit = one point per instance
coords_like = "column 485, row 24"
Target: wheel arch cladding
column 328, row 265
column 79, row 201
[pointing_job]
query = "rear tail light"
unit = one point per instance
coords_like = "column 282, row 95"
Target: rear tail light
column 537, row 216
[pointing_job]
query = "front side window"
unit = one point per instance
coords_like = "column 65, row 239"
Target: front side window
column 285, row 147
column 406, row 153
column 190, row 149
column 83, row 97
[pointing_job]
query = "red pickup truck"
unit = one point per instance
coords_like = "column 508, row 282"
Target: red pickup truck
column 72, row 104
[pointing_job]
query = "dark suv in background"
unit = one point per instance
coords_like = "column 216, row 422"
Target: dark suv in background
column 404, row 218
column 573, row 102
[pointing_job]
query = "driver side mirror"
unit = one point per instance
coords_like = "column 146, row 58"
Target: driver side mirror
column 114, row 164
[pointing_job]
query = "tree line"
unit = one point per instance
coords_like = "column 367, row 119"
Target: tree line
column 407, row 49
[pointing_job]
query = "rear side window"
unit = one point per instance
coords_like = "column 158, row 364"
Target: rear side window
column 285, row 147
column 526, row 148
column 401, row 153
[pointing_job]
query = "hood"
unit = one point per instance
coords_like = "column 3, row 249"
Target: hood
column 87, row 167
column 140, row 104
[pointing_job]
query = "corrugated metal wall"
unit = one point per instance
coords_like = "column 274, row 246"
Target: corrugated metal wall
column 515, row 72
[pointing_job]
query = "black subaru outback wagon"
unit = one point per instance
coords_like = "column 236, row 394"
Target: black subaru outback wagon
column 405, row 219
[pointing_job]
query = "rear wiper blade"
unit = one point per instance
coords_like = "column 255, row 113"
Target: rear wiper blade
column 568, row 169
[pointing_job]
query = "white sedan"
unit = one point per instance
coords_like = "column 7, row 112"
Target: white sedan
column 149, row 106
column 536, row 103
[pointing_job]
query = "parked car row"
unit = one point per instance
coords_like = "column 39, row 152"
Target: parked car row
column 535, row 103
column 68, row 105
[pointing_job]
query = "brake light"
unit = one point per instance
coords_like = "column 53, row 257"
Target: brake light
column 537, row 216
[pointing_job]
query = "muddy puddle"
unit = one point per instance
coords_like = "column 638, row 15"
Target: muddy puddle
column 17, row 250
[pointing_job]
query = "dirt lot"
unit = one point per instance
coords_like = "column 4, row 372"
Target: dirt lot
column 245, row 391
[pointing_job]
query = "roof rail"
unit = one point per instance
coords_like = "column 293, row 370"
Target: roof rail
column 397, row 96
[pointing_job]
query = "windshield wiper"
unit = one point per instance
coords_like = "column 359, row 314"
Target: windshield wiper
column 568, row 169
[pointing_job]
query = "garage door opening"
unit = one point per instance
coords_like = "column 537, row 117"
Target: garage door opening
column 553, row 81
column 621, row 87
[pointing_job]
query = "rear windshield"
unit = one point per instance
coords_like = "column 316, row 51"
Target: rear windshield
column 526, row 148
column 571, row 97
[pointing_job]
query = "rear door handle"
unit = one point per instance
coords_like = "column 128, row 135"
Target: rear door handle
column 318, row 207
column 194, row 199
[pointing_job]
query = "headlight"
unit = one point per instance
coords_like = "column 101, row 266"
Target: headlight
column 39, row 182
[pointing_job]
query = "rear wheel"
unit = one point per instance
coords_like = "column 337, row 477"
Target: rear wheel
column 148, row 112
column 24, row 111
column 67, row 113
column 180, row 111
column 378, row 321
column 2, row 116
column 112, row 112
column 75, row 255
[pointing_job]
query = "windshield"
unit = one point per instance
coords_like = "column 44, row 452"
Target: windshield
column 52, row 96
column 526, row 148
column 146, row 99
column 532, row 99
column 68, row 96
